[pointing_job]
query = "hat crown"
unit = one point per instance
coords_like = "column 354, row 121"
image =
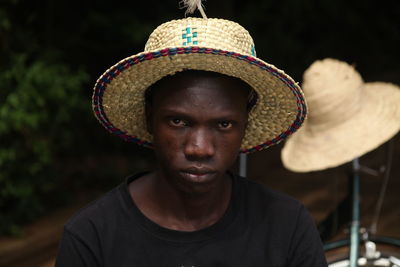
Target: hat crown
column 333, row 91
column 210, row 33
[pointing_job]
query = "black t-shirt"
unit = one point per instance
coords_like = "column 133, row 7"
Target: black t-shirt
column 260, row 228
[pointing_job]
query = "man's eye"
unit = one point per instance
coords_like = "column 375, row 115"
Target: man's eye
column 178, row 122
column 225, row 125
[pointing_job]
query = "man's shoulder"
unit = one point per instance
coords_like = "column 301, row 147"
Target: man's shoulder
column 277, row 212
column 268, row 198
column 95, row 214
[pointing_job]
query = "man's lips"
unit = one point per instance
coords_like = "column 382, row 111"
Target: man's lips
column 196, row 174
column 196, row 171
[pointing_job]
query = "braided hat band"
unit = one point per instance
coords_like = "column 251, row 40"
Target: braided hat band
column 216, row 45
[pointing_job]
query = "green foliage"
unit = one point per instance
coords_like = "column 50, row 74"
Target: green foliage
column 39, row 101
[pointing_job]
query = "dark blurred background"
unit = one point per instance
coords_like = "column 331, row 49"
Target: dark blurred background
column 55, row 156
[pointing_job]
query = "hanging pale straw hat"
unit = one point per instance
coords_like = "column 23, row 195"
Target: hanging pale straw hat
column 347, row 117
column 215, row 45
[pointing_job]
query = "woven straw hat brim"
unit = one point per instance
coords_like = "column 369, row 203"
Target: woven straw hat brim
column 118, row 99
column 377, row 121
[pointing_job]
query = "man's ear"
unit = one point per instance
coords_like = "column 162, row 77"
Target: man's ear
column 149, row 116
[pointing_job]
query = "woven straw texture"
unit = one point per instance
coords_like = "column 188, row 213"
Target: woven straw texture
column 203, row 44
column 347, row 117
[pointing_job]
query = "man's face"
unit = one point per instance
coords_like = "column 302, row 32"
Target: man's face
column 198, row 123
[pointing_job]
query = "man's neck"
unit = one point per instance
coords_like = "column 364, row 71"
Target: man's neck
column 171, row 208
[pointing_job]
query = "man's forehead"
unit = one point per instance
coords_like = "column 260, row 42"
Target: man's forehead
column 192, row 78
column 201, row 99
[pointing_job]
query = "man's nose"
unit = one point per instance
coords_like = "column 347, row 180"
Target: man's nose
column 199, row 144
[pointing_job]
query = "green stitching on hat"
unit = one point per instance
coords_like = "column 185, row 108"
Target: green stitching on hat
column 253, row 51
column 189, row 36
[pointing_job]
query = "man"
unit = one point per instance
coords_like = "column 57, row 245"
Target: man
column 197, row 96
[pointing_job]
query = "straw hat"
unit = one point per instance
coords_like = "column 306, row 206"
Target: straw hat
column 347, row 117
column 202, row 44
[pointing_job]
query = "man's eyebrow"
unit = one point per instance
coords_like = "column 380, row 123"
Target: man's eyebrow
column 174, row 109
column 218, row 116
